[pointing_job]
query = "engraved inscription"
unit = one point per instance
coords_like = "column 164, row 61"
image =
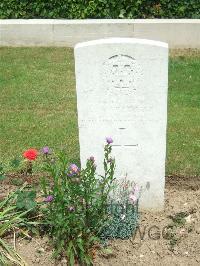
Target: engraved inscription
column 120, row 72
column 127, row 145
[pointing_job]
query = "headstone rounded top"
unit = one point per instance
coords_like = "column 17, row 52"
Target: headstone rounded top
column 122, row 40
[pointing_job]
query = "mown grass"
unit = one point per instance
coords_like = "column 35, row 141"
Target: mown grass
column 38, row 101
column 183, row 156
column 38, row 105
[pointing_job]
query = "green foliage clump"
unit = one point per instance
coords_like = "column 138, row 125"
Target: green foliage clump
column 26, row 200
column 123, row 211
column 123, row 221
column 81, row 9
column 76, row 205
column 13, row 219
column 78, row 208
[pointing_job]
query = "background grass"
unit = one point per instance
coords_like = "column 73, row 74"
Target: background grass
column 37, row 101
column 38, row 105
column 183, row 149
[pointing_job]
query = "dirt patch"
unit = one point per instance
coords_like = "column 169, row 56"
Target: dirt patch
column 170, row 237
column 156, row 248
column 183, row 183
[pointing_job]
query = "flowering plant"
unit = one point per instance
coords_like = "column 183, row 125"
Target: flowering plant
column 46, row 150
column 76, row 205
column 123, row 210
column 30, row 155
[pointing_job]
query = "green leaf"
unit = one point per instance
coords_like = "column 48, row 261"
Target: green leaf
column 107, row 251
column 15, row 163
column 17, row 181
column 71, row 258
column 2, row 177
column 1, row 168
column 26, row 200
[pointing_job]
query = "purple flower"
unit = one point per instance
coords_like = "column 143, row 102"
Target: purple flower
column 69, row 174
column 48, row 198
column 110, row 160
column 71, row 209
column 109, row 140
column 91, row 158
column 136, row 189
column 133, row 198
column 73, row 168
column 45, row 150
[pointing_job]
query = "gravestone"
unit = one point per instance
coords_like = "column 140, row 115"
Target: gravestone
column 121, row 86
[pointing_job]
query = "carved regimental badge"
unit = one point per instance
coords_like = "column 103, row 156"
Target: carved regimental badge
column 121, row 72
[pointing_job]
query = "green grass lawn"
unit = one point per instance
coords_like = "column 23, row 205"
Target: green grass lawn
column 38, row 106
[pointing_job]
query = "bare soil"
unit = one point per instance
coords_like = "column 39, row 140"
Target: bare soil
column 170, row 237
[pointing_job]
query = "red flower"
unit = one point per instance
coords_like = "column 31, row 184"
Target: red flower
column 31, row 154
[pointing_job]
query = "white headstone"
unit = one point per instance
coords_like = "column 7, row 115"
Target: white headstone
column 121, row 86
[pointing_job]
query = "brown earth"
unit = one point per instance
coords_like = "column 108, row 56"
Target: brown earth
column 179, row 245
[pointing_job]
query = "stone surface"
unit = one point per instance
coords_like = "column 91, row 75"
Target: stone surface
column 121, row 88
column 178, row 33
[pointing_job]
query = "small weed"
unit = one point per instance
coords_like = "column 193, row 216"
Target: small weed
column 179, row 218
column 17, row 181
column 173, row 229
